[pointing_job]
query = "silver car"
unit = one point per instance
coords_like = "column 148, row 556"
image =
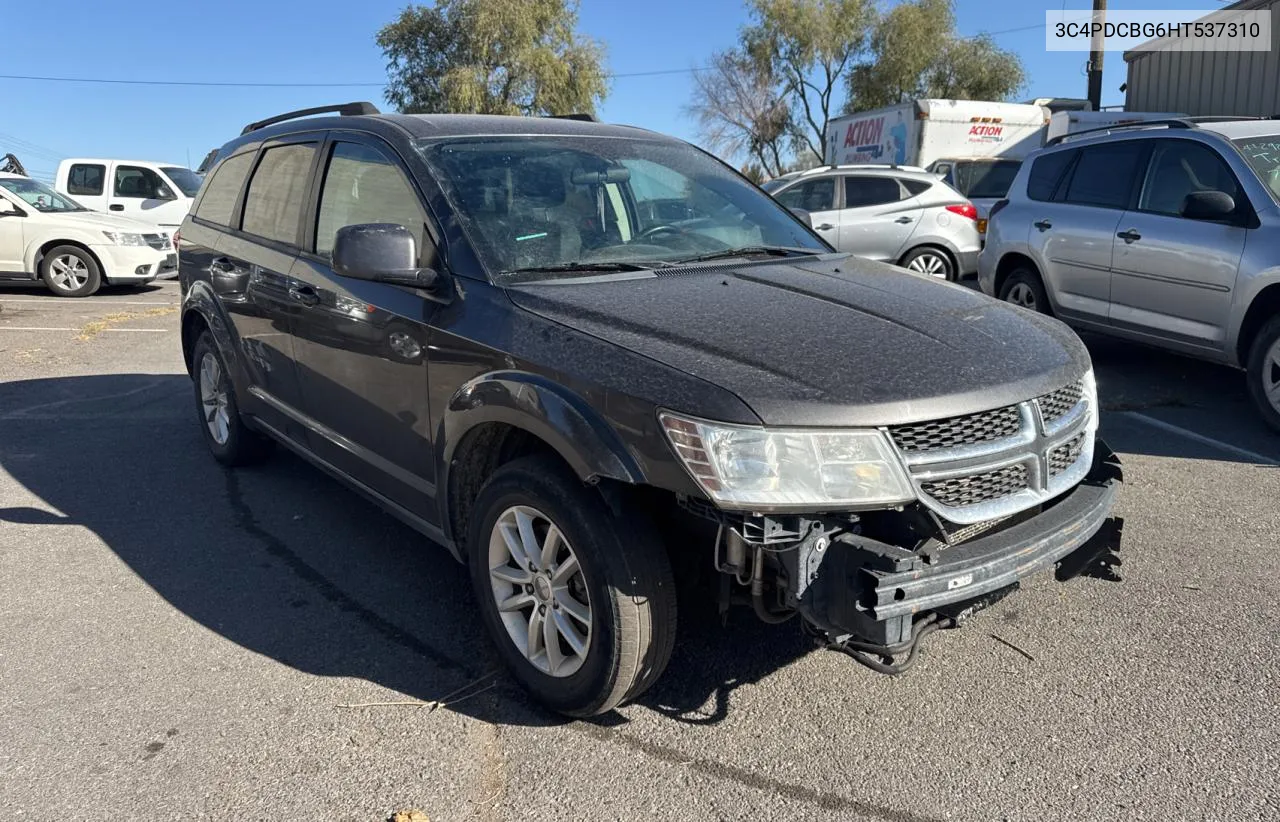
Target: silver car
column 983, row 180
column 1166, row 233
column 896, row 214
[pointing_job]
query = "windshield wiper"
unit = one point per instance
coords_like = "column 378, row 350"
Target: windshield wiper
column 581, row 266
column 770, row 250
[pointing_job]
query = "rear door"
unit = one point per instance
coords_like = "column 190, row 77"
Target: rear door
column 878, row 217
column 140, row 192
column 816, row 195
column 253, row 265
column 87, row 185
column 1073, row 232
column 361, row 346
column 1173, row 277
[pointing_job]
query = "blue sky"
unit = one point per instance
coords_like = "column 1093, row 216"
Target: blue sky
column 307, row 42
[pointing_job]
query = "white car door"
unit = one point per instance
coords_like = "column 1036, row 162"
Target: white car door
column 878, row 217
column 11, row 243
column 86, row 184
column 141, row 193
column 818, row 197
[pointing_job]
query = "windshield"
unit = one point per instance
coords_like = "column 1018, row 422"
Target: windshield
column 39, row 196
column 184, row 178
column 1263, row 156
column 773, row 185
column 978, row 180
column 580, row 205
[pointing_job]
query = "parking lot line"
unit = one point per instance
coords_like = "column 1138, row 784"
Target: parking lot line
column 103, row 331
column 66, row 302
column 1201, row 438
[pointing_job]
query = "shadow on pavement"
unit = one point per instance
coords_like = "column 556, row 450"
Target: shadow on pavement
column 290, row 564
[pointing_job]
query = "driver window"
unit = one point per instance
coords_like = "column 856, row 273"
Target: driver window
column 136, row 182
column 1179, row 167
column 812, row 195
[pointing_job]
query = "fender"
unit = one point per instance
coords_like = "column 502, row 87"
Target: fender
column 201, row 300
column 551, row 412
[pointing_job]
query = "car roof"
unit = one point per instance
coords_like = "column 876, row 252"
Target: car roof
column 9, row 176
column 119, row 160
column 1234, row 129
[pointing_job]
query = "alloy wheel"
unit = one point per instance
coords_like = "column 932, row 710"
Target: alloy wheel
column 213, row 399
column 539, row 590
column 928, row 263
column 1021, row 294
column 69, row 272
column 1271, row 375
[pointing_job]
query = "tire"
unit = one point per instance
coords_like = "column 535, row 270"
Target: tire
column 1263, row 374
column 231, row 442
column 1023, row 288
column 930, row 261
column 622, row 583
column 70, row 271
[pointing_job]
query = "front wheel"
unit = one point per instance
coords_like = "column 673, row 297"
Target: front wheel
column 1023, row 288
column 1264, row 372
column 579, row 600
column 70, row 271
column 931, row 261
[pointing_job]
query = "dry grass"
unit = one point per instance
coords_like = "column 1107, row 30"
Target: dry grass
column 96, row 327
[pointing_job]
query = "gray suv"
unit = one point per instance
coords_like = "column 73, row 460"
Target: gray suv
column 896, row 214
column 1166, row 233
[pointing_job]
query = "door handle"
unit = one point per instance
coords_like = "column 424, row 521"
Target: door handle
column 1043, row 225
column 304, row 294
column 824, row 227
column 903, row 219
column 116, row 207
column 1129, row 235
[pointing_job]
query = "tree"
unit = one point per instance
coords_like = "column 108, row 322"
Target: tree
column 492, row 57
column 915, row 52
column 808, row 45
column 740, row 112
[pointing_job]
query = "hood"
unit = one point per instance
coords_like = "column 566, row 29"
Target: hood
column 825, row 341
column 106, row 222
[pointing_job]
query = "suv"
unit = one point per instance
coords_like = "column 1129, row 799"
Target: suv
column 983, row 180
column 896, row 214
column 485, row 325
column 1165, row 232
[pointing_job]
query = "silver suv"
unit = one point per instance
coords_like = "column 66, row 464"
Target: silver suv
column 1166, row 233
column 896, row 214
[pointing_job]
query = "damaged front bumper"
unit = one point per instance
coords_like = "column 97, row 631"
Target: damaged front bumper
column 852, row 588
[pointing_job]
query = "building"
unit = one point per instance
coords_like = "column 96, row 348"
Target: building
column 1240, row 83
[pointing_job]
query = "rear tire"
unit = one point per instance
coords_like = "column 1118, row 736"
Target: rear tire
column 608, row 567
column 931, row 261
column 231, row 442
column 1263, row 375
column 1023, row 288
column 70, row 271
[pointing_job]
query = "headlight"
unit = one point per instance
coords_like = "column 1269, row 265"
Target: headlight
column 124, row 238
column 745, row 467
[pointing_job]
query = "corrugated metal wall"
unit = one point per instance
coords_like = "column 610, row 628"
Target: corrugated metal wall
column 1245, row 83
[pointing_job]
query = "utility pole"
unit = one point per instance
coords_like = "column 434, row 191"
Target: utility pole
column 1096, row 54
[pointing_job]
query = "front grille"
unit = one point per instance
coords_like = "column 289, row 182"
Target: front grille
column 956, row 431
column 978, row 488
column 1055, row 405
column 1065, row 455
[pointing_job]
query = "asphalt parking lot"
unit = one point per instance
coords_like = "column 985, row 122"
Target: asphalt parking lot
column 178, row 641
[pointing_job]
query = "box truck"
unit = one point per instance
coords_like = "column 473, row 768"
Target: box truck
column 1069, row 122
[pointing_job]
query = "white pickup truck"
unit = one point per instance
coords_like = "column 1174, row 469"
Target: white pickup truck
column 156, row 193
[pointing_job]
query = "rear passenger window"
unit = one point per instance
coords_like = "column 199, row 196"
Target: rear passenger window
column 220, row 194
column 1046, row 173
column 869, row 191
column 1104, row 175
column 811, row 195
column 273, row 206
column 917, row 187
column 86, row 179
column 362, row 186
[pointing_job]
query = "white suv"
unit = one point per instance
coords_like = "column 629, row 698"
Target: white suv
column 44, row 235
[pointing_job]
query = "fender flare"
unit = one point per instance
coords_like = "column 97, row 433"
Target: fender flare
column 547, row 410
column 201, row 300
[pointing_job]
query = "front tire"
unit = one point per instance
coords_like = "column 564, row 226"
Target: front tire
column 1023, row 288
column 1264, row 372
column 70, row 271
column 931, row 261
column 231, row 442
column 579, row 600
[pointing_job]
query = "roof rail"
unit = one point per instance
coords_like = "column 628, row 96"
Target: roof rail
column 344, row 109
column 581, row 116
column 1180, row 122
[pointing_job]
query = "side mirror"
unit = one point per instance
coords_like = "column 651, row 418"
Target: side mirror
column 383, row 253
column 163, row 192
column 1211, row 206
column 803, row 216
